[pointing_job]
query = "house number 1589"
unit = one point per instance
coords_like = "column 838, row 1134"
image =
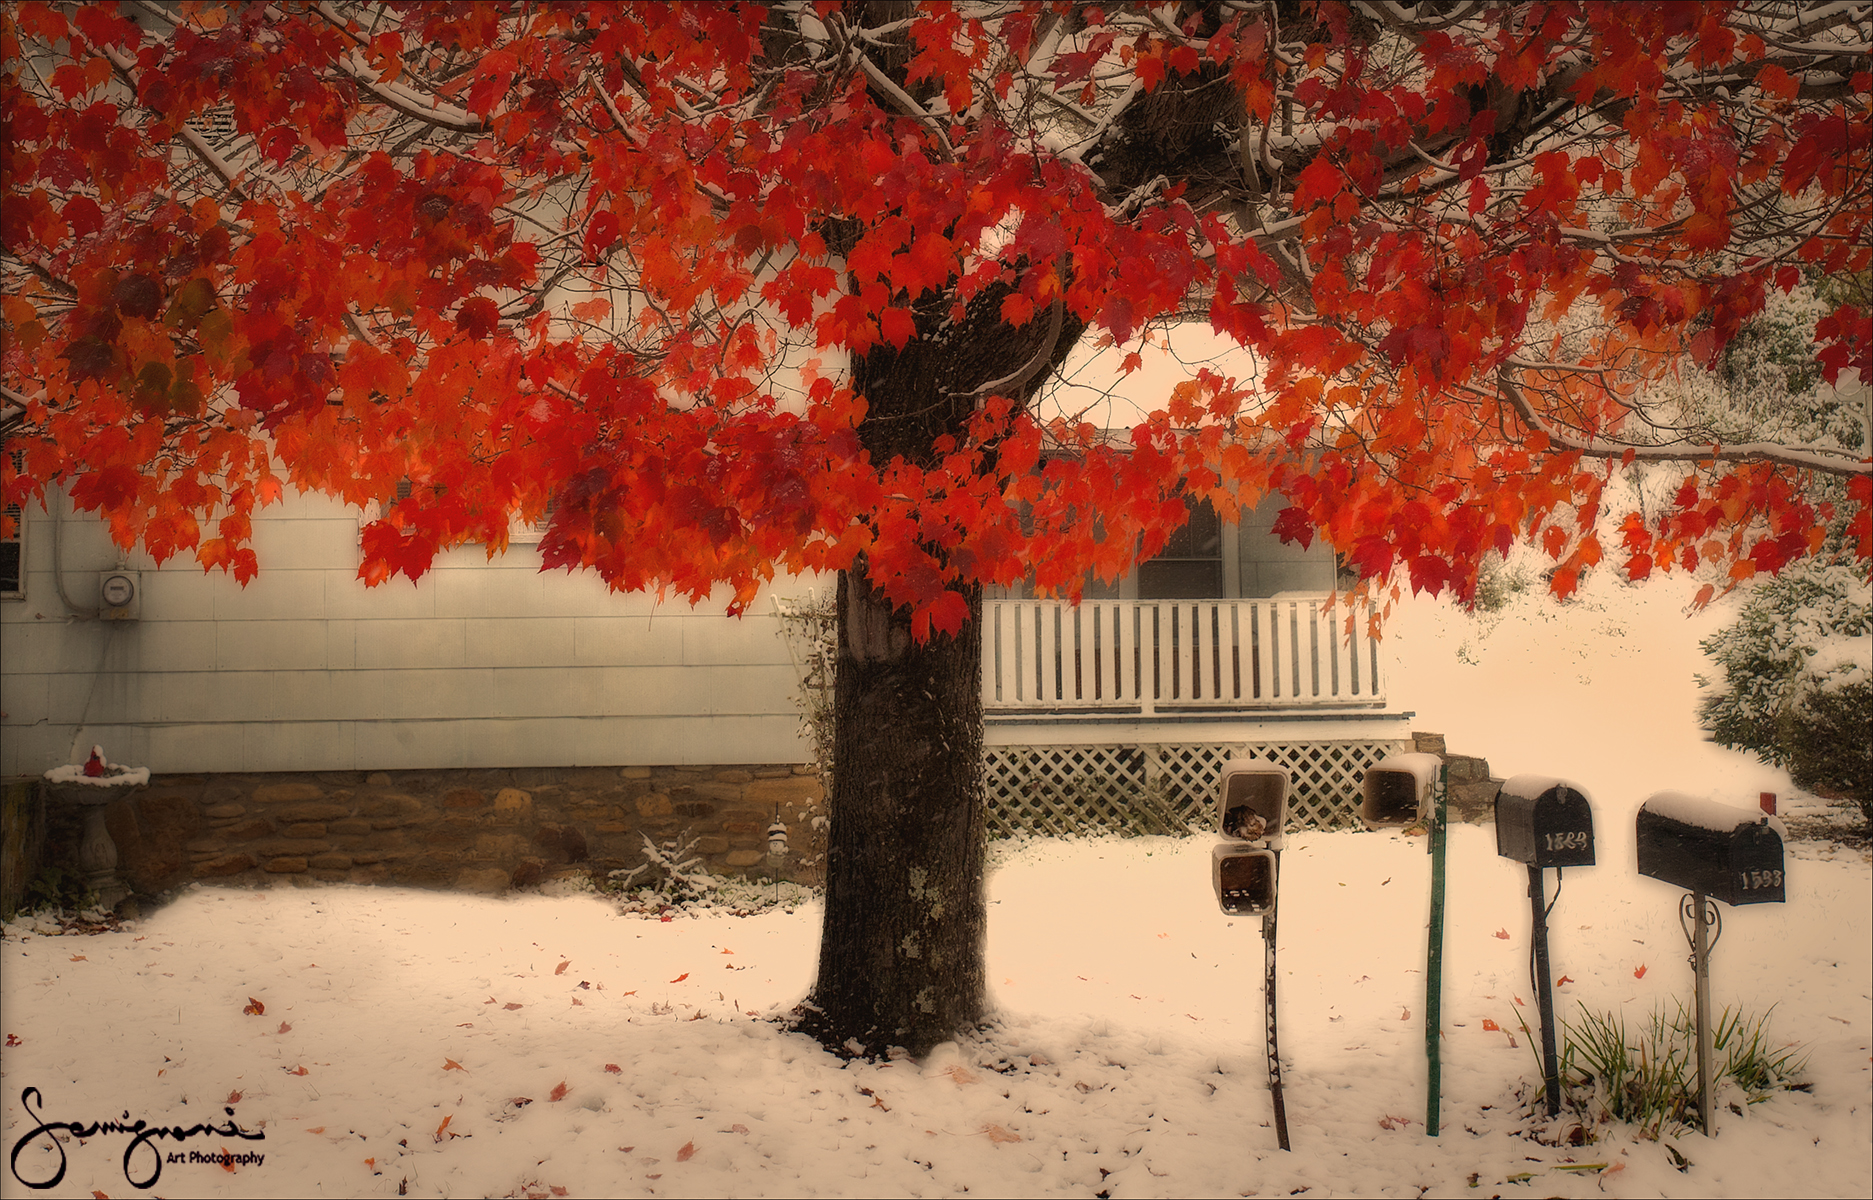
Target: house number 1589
column 1575, row 840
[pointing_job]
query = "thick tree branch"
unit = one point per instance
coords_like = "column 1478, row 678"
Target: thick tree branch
column 1841, row 463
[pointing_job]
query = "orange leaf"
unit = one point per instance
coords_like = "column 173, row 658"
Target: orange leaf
column 614, row 1069
column 510, row 1006
column 679, row 978
column 728, row 952
column 227, row 1161
column 254, row 1008
column 299, row 1071
column 1405, row 1016
column 1503, row 934
column 561, row 968
column 998, row 1134
column 316, row 1129
column 234, row 1098
column 557, row 1190
column 1640, row 972
column 558, row 1093
column 81, row 958
column 449, row 1064
column 443, row 1128
column 687, row 1152
column 1563, row 981
column 1491, row 1026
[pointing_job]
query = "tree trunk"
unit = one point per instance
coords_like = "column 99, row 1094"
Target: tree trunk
column 900, row 961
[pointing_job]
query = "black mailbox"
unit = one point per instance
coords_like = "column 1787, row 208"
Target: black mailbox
column 1252, row 804
column 1244, row 879
column 1544, row 822
column 1398, row 790
column 1729, row 853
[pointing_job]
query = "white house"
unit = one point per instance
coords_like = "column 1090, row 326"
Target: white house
column 1225, row 644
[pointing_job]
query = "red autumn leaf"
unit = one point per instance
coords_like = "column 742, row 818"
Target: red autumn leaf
column 1491, row 1026
column 227, row 1161
column 1502, row 933
column 557, row 1190
column 614, row 1069
column 510, row 1006
column 254, row 1008
column 687, row 1152
column 449, row 1064
column 1639, row 971
column 12, row 1040
column 1563, row 981
column 234, row 1097
column 284, row 1028
column 298, row 1071
column 561, row 968
column 559, row 1092
column 679, row 978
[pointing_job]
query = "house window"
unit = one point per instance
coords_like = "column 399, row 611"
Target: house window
column 13, row 547
column 1191, row 566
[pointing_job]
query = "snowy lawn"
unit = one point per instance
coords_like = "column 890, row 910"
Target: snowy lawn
column 435, row 1044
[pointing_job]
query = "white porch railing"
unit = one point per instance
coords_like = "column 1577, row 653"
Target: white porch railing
column 1150, row 656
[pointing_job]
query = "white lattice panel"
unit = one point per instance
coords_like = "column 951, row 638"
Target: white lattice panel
column 1167, row 789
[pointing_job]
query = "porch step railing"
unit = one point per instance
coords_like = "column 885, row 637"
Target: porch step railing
column 1150, row 656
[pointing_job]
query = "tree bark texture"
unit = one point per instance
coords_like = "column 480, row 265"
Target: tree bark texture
column 901, row 954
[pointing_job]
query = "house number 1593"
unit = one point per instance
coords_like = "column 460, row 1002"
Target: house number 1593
column 1754, row 880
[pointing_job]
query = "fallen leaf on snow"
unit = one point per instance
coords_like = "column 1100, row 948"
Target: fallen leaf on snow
column 614, row 1069
column 521, row 1101
column 561, row 968
column 234, row 1097
column 79, row 958
column 510, row 1006
column 728, row 952
column 14, row 1041
column 1491, row 1026
column 1405, row 1016
column 299, row 1071
column 285, row 1028
column 738, row 1127
column 1503, row 934
column 681, row 978
column 558, row 1093
column 227, row 1161
column 998, row 1134
column 255, row 1008
column 1640, row 972
column 444, row 1128
column 449, row 1064
column 316, row 1129
column 687, row 1152
column 1563, row 981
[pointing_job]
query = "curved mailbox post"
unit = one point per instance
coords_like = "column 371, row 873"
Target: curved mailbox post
column 1544, row 822
column 1251, row 812
column 1715, row 852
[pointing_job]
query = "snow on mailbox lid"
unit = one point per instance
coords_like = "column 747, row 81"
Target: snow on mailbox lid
column 1730, row 853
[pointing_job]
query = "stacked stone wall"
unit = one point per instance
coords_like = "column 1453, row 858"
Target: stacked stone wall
column 477, row 830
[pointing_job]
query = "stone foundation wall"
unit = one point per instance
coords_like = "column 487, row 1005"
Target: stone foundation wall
column 477, row 830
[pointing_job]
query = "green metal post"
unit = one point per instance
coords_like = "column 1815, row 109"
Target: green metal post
column 1434, row 960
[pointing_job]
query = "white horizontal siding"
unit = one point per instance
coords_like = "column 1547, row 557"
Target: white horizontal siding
column 483, row 664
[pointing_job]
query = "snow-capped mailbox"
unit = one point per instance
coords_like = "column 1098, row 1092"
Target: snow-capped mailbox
column 1398, row 790
column 1730, row 854
column 1244, row 879
column 1544, row 822
column 1252, row 804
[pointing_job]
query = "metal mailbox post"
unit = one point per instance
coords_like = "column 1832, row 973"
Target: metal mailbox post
column 1715, row 852
column 1251, row 812
column 1544, row 823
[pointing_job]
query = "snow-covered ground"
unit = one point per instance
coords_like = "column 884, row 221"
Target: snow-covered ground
column 431, row 1044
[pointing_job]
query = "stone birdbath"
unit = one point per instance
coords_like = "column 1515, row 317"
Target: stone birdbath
column 92, row 786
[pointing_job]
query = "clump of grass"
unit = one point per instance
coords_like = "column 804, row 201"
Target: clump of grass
column 1647, row 1077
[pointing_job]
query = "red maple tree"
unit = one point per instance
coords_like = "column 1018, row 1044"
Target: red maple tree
column 746, row 290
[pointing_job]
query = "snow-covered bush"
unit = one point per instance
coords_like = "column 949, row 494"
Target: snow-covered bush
column 1797, row 685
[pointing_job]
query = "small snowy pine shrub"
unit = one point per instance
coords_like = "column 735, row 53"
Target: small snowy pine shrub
column 1797, row 684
